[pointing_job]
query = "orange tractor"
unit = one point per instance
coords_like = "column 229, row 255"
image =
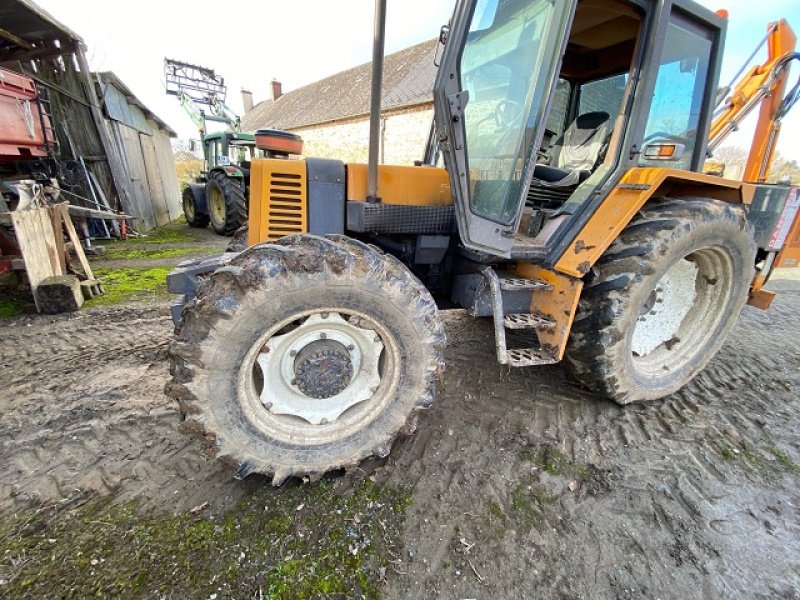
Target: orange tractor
column 571, row 209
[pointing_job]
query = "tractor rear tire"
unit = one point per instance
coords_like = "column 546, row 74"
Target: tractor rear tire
column 227, row 203
column 366, row 333
column 660, row 302
column 194, row 218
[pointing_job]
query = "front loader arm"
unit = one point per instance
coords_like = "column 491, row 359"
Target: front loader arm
column 763, row 85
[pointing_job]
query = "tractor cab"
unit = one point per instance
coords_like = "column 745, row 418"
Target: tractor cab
column 541, row 106
column 232, row 150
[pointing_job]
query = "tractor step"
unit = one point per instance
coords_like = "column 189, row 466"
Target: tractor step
column 517, row 357
column 529, row 357
column 528, row 321
column 516, row 284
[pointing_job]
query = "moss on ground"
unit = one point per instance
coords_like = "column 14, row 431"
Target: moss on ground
column 785, row 460
column 136, row 251
column 757, row 460
column 9, row 308
column 302, row 542
column 123, row 285
column 548, row 458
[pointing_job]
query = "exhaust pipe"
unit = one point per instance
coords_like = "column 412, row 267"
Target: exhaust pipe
column 375, row 100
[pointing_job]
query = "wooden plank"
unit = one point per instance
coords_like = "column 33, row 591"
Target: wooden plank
column 58, row 233
column 34, row 231
column 156, row 186
column 73, row 236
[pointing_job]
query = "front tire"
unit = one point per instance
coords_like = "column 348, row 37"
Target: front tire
column 305, row 356
column 195, row 217
column 227, row 203
column 660, row 302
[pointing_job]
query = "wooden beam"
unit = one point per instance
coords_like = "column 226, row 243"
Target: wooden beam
column 10, row 37
column 55, row 87
column 34, row 53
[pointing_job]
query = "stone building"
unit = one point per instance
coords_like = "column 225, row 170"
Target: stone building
column 332, row 115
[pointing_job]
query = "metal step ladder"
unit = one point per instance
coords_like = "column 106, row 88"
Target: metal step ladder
column 517, row 357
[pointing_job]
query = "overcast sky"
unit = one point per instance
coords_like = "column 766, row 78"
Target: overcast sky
column 300, row 41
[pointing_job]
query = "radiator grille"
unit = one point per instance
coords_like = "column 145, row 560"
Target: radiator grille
column 286, row 208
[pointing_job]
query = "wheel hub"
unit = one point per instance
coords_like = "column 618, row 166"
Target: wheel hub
column 323, row 369
column 320, row 369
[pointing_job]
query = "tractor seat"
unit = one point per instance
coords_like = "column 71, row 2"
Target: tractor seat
column 576, row 152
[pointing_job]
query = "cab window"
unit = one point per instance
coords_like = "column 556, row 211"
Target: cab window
column 679, row 93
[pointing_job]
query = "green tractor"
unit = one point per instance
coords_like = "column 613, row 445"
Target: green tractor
column 220, row 194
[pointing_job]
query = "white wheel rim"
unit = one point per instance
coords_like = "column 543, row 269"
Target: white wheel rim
column 667, row 307
column 282, row 395
column 289, row 422
column 695, row 292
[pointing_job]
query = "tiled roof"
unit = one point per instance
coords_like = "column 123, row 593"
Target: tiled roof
column 408, row 77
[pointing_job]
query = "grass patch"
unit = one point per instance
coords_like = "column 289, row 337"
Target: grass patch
column 303, row 542
column 9, row 308
column 785, row 460
column 171, row 233
column 135, row 251
column 123, row 285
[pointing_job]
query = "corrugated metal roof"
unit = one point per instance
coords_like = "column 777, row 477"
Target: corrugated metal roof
column 408, row 77
column 105, row 78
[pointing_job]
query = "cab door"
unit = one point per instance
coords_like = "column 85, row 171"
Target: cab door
column 499, row 70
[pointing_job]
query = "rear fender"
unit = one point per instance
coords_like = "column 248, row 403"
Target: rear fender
column 626, row 199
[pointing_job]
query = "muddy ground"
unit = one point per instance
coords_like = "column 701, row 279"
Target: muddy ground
column 517, row 484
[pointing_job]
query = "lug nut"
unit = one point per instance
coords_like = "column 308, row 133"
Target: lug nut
column 324, row 315
column 322, row 336
column 292, row 353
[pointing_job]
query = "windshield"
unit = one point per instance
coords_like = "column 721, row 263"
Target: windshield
column 507, row 67
column 239, row 153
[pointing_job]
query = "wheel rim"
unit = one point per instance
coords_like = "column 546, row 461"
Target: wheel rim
column 216, row 205
column 188, row 208
column 682, row 312
column 319, row 376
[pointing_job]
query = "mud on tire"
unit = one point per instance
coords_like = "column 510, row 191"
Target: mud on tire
column 267, row 289
column 708, row 237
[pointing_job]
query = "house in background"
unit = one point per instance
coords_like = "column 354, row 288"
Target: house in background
column 332, row 115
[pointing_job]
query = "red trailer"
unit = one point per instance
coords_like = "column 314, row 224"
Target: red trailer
column 25, row 130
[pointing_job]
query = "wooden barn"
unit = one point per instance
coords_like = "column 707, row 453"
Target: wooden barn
column 110, row 150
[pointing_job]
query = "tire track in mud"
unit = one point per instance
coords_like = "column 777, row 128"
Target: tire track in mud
column 84, row 411
column 658, row 500
column 674, row 476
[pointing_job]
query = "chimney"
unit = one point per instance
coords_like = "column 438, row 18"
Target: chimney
column 247, row 100
column 277, row 92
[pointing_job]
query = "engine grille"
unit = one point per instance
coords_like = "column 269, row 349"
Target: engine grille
column 286, row 214
column 364, row 217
